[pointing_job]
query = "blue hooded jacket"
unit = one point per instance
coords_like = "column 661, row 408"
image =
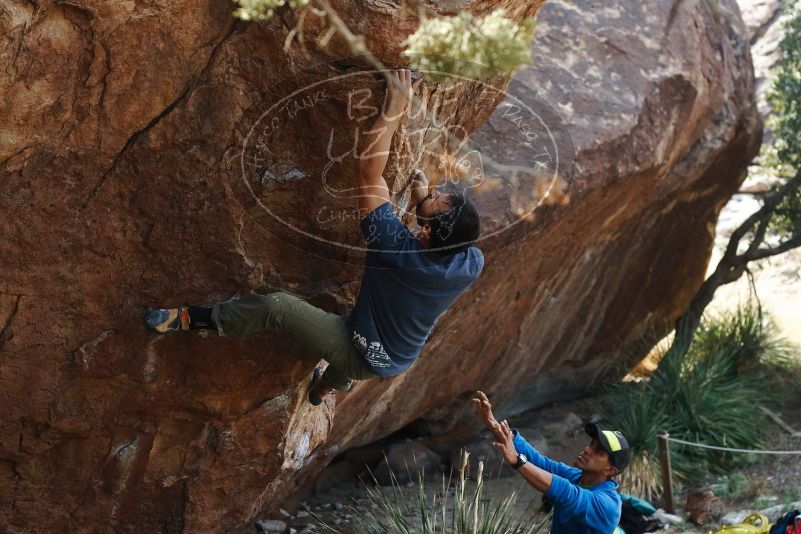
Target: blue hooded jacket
column 576, row 509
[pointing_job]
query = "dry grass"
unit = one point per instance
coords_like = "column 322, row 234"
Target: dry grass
column 641, row 477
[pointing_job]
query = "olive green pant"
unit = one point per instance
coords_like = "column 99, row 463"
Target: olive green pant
column 322, row 332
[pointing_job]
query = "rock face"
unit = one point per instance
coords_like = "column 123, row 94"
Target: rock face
column 663, row 122
column 142, row 164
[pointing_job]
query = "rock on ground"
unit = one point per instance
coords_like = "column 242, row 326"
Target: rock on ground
column 271, row 525
column 405, row 462
column 336, row 474
column 137, row 171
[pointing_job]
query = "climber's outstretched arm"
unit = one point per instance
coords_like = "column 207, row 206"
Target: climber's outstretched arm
column 374, row 148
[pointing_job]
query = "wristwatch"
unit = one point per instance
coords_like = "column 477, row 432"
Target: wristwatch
column 521, row 461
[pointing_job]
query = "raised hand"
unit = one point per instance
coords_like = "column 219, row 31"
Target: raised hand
column 374, row 145
column 400, row 89
column 484, row 412
column 505, row 443
column 419, row 187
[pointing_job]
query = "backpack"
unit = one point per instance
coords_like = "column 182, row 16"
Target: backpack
column 786, row 525
column 633, row 521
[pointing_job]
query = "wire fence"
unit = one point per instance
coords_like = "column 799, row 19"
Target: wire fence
column 727, row 449
column 664, row 441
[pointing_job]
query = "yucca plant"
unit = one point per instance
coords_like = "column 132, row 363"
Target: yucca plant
column 459, row 506
column 641, row 477
column 709, row 394
column 640, row 414
column 708, row 403
column 748, row 333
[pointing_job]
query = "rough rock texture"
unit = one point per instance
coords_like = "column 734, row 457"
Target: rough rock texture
column 663, row 122
column 122, row 189
column 138, row 168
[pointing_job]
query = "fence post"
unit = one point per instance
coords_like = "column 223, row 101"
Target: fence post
column 667, row 475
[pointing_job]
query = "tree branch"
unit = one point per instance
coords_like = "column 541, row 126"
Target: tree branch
column 771, row 201
column 759, row 235
column 753, row 289
column 732, row 266
column 763, row 253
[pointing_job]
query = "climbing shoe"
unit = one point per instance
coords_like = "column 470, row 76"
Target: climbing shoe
column 168, row 320
column 314, row 398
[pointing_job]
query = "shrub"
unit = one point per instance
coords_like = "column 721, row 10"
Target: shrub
column 263, row 9
column 462, row 45
column 738, row 487
column 471, row 47
column 752, row 337
column 711, row 396
column 458, row 507
column 784, row 154
column 639, row 414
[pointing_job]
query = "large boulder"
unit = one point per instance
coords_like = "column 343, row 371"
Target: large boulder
column 658, row 101
column 141, row 165
column 129, row 180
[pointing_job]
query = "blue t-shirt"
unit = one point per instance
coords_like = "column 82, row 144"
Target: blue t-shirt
column 576, row 509
column 404, row 291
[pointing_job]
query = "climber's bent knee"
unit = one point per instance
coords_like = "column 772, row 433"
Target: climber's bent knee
column 337, row 378
column 285, row 311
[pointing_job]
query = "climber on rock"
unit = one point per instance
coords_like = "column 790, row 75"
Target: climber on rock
column 410, row 279
column 584, row 498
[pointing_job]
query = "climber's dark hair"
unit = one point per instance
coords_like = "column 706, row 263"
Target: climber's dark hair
column 454, row 230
